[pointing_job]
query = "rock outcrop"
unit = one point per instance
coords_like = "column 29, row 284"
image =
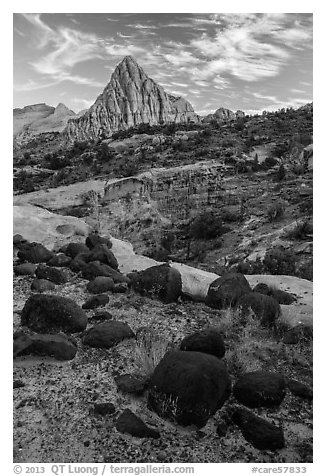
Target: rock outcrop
column 224, row 115
column 129, row 99
column 40, row 118
column 25, row 116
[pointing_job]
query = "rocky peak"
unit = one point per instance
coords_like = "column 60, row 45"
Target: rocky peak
column 130, row 98
column 62, row 109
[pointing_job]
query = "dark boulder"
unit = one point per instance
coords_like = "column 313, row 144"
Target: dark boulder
column 130, row 423
column 107, row 334
column 120, row 288
column 208, row 341
column 95, row 268
column 130, row 383
column 96, row 301
column 95, row 239
column 265, row 308
column 299, row 389
column 162, row 282
column 52, row 345
column 77, row 264
column 226, row 290
column 35, row 253
column 188, row 387
column 60, row 260
column 44, row 312
column 262, row 434
column 102, row 254
column 100, row 284
column 56, row 275
column 260, row 389
column 25, row 269
column 102, row 316
column 74, row 249
column 42, row 285
column 282, row 297
column 18, row 239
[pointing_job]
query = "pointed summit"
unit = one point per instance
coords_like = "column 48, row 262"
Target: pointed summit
column 63, row 110
column 130, row 98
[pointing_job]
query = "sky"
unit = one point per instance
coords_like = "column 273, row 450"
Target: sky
column 247, row 61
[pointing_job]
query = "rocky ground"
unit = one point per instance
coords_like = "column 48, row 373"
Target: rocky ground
column 56, row 411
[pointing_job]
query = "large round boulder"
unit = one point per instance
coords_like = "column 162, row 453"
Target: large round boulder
column 94, row 268
column 25, row 269
column 107, row 334
column 35, row 253
column 74, row 249
column 226, row 290
column 208, row 341
column 55, row 275
column 102, row 254
column 282, row 297
column 162, row 282
column 95, row 239
column 100, row 284
column 265, row 308
column 59, row 260
column 42, row 285
column 46, row 312
column 98, row 300
column 188, row 387
column 260, row 389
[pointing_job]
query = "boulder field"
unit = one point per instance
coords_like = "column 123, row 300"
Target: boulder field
column 39, row 225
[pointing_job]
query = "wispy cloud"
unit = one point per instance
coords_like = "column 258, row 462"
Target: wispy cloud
column 66, row 48
column 123, row 50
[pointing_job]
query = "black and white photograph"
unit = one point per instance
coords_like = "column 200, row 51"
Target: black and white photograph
column 162, row 239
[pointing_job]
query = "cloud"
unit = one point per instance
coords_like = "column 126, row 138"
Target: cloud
column 265, row 98
column 140, row 26
column 181, row 57
column 123, row 50
column 66, row 48
column 249, row 46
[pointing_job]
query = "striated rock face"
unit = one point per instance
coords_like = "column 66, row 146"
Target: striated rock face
column 129, row 99
column 38, row 119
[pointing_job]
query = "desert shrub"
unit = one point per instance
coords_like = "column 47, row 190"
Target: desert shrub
column 56, row 161
column 305, row 271
column 207, row 226
column 279, row 261
column 270, row 162
column 201, row 152
column 104, row 153
column 300, row 232
column 280, row 173
column 275, row 211
column 306, row 207
column 24, row 182
column 130, row 169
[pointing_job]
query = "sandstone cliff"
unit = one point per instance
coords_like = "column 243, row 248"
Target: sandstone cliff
column 40, row 118
column 129, row 99
column 28, row 114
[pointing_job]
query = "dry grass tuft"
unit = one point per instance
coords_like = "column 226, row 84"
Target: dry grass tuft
column 150, row 348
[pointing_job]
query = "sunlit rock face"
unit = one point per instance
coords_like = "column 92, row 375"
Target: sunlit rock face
column 129, row 99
